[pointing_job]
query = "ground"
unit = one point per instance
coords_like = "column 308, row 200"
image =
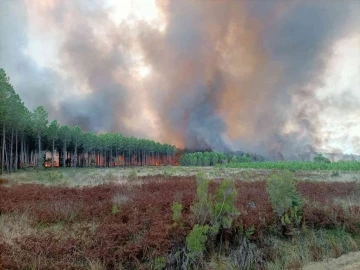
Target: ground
column 58, row 217
column 349, row 261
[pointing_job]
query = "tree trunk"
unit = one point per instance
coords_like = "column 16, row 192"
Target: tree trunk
column 52, row 152
column 110, row 157
column 64, row 154
column 75, row 154
column 22, row 151
column 3, row 151
column 26, row 153
column 7, row 159
column 123, row 158
column 11, row 150
column 39, row 156
column 104, row 158
column 16, row 150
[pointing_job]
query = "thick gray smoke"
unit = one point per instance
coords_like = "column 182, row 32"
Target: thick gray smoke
column 35, row 85
column 225, row 75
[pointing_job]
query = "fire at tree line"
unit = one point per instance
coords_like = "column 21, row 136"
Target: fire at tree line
column 27, row 136
column 29, row 140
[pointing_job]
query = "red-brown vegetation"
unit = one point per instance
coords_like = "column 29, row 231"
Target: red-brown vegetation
column 142, row 228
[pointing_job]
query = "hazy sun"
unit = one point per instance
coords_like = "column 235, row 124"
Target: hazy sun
column 131, row 11
column 143, row 71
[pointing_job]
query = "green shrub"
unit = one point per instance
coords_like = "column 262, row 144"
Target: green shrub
column 224, row 205
column 220, row 210
column 285, row 200
column 132, row 175
column 282, row 192
column 196, row 241
column 202, row 209
column 176, row 210
column 321, row 159
column 247, row 233
column 115, row 209
column 159, row 263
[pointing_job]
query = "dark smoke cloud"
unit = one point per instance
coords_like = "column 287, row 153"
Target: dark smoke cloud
column 35, row 85
column 225, row 75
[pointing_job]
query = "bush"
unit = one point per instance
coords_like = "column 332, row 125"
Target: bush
column 196, row 241
column 176, row 210
column 219, row 210
column 321, row 159
column 202, row 208
column 159, row 263
column 282, row 192
column 285, row 200
column 115, row 209
column 224, row 205
column 132, row 175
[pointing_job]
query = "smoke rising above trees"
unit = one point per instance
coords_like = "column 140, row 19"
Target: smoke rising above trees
column 225, row 75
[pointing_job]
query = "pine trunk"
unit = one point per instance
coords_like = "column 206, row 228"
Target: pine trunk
column 22, row 154
column 6, row 159
column 16, row 150
column 11, row 150
column 64, row 154
column 75, row 154
column 52, row 153
column 39, row 155
column 3, row 151
column 110, row 157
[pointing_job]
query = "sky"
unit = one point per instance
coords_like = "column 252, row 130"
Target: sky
column 262, row 76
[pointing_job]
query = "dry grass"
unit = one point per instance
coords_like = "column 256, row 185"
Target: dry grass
column 80, row 177
column 14, row 225
column 96, row 265
column 79, row 214
column 120, row 198
column 349, row 261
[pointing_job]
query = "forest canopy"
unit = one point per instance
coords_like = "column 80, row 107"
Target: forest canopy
column 27, row 135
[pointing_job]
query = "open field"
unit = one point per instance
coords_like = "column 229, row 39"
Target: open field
column 123, row 219
column 84, row 177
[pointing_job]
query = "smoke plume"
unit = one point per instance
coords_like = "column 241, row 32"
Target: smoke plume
column 272, row 77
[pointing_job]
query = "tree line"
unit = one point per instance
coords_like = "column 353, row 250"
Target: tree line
column 27, row 135
column 208, row 158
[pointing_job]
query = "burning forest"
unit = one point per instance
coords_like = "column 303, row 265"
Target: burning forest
column 179, row 134
column 265, row 78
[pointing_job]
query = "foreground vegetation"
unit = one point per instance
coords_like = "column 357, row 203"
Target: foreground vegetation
column 177, row 222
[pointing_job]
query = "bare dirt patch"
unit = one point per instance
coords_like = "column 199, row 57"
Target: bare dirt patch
column 349, row 261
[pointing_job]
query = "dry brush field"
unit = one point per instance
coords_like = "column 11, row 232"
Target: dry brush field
column 123, row 219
